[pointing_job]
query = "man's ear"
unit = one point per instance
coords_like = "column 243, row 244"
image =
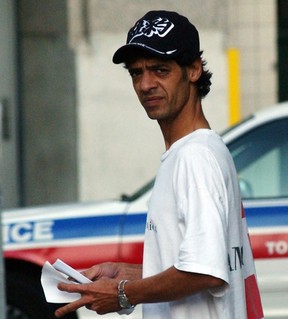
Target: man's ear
column 195, row 70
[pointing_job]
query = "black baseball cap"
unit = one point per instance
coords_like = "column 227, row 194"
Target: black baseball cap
column 164, row 34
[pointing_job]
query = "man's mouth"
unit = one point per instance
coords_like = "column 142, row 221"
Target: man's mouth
column 151, row 101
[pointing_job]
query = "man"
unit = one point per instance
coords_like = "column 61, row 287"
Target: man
column 197, row 257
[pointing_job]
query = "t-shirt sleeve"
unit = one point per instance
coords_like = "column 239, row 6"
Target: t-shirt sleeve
column 201, row 205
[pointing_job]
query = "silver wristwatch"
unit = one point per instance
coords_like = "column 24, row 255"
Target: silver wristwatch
column 122, row 298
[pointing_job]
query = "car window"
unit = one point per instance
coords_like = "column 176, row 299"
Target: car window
column 261, row 159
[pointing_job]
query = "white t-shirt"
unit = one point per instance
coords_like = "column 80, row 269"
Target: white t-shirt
column 195, row 222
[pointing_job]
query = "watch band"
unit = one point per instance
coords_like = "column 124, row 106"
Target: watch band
column 122, row 298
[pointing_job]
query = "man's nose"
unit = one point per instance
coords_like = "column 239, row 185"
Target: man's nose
column 147, row 82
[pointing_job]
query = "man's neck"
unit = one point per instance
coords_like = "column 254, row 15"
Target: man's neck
column 185, row 124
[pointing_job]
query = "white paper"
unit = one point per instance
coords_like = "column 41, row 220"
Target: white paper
column 70, row 272
column 50, row 278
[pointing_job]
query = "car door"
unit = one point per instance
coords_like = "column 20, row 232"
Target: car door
column 261, row 159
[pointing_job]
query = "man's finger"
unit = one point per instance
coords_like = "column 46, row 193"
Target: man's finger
column 73, row 306
column 80, row 288
column 92, row 273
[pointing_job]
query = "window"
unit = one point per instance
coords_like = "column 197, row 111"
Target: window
column 261, row 159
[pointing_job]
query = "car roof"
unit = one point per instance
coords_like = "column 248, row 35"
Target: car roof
column 258, row 118
column 277, row 110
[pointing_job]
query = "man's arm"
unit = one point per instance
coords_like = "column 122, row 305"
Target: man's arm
column 102, row 295
column 169, row 285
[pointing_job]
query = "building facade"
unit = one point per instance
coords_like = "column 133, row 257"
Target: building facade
column 78, row 131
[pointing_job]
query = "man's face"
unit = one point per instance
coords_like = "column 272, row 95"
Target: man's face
column 163, row 87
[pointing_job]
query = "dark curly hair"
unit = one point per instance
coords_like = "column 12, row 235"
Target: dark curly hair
column 204, row 82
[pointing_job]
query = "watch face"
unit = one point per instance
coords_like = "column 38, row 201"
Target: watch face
column 122, row 298
column 124, row 303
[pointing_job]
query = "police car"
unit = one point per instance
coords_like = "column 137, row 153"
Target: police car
column 90, row 233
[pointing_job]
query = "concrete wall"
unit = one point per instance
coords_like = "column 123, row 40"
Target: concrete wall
column 9, row 173
column 49, row 136
column 119, row 148
column 252, row 29
column 84, row 135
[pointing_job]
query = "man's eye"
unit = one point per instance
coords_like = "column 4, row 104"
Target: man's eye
column 161, row 71
column 134, row 73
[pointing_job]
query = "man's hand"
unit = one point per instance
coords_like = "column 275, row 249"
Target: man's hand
column 100, row 296
column 117, row 271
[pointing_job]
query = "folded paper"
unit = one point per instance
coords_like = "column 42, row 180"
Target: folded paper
column 50, row 278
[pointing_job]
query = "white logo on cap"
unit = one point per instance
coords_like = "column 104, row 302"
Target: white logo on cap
column 158, row 26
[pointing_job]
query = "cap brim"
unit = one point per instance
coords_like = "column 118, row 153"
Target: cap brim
column 122, row 54
column 126, row 52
